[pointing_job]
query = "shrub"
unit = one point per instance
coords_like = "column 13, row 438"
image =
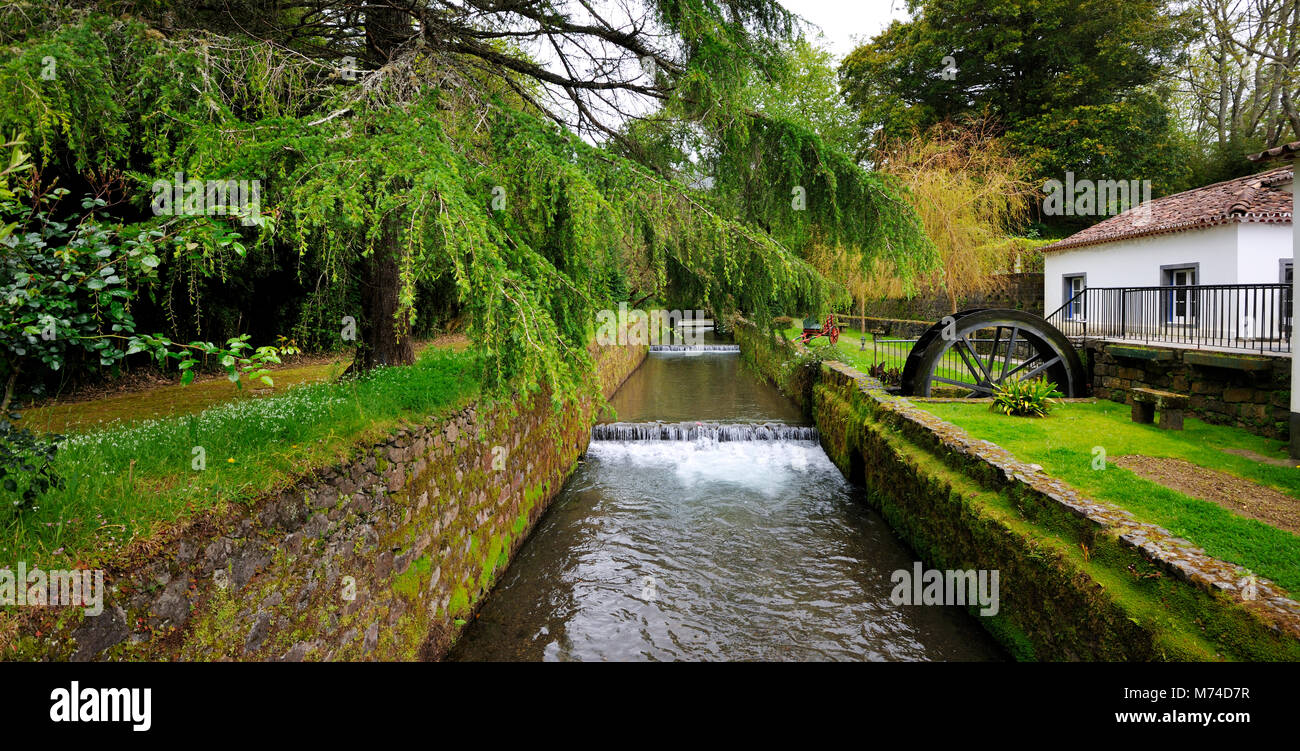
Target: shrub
column 782, row 322
column 1034, row 398
column 886, row 375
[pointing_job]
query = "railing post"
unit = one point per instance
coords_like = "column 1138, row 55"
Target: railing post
column 1294, row 422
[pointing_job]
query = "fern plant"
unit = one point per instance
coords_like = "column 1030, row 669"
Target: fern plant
column 1032, row 398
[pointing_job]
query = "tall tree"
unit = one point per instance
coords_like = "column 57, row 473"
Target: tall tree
column 465, row 143
column 1240, row 84
column 1043, row 69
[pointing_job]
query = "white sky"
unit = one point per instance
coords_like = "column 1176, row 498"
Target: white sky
column 847, row 23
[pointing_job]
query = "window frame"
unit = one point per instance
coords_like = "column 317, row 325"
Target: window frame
column 1067, row 288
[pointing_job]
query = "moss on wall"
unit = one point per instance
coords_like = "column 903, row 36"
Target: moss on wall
column 1071, row 589
column 386, row 556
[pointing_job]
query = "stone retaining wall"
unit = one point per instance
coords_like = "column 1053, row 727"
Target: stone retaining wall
column 383, row 558
column 1016, row 291
column 1080, row 579
column 892, row 328
column 1247, row 391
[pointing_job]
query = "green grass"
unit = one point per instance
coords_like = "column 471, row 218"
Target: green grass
column 126, row 478
column 1063, row 444
column 848, row 351
column 170, row 400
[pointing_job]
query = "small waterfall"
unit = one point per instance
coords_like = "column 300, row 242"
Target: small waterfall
column 697, row 431
column 695, row 348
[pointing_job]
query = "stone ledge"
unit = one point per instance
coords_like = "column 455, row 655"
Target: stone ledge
column 1227, row 361
column 1140, row 353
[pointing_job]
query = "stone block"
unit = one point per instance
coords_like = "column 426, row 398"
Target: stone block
column 1227, row 361
column 1238, row 394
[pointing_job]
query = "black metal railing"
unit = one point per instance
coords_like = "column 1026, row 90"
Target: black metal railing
column 953, row 364
column 1254, row 317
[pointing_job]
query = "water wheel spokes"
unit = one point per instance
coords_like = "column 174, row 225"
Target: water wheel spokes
column 1021, row 346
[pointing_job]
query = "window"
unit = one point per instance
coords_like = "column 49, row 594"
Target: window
column 1074, row 301
column 1180, row 303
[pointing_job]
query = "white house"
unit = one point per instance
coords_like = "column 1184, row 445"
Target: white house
column 1156, row 267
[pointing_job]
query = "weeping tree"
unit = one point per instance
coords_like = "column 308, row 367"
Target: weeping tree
column 973, row 194
column 497, row 145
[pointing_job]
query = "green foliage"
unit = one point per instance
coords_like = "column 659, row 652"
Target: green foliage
column 26, row 462
column 122, row 479
column 886, row 375
column 1019, row 60
column 1067, row 78
column 780, row 176
column 1134, row 138
column 807, row 91
column 53, row 83
column 1025, row 397
column 65, row 292
column 408, row 169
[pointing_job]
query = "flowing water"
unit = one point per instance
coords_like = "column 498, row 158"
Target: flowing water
column 709, row 525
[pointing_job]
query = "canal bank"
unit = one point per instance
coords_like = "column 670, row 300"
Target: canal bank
column 709, row 525
column 384, row 556
column 1079, row 580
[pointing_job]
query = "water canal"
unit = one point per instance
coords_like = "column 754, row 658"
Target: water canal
column 710, row 539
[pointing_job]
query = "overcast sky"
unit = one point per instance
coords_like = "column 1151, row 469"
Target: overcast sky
column 846, row 23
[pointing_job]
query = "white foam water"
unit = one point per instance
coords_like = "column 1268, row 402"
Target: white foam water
column 768, row 468
column 733, row 349
column 702, row 431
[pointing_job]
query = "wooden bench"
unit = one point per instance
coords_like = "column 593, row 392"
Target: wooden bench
column 1147, row 401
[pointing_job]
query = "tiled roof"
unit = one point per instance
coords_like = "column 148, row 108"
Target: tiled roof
column 1253, row 198
column 1285, row 151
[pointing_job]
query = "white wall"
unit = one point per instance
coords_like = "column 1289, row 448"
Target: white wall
column 1137, row 262
column 1260, row 248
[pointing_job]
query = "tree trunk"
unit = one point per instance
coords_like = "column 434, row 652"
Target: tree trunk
column 9, row 391
column 382, row 340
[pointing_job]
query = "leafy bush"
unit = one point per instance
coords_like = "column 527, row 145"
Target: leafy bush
column 1034, row 398
column 66, row 286
column 26, row 458
column 886, row 375
column 782, row 322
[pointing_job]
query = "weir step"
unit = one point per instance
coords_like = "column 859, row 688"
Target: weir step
column 695, row 348
column 695, row 431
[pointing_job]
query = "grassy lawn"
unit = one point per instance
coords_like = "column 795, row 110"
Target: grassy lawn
column 893, row 354
column 170, row 400
column 1063, row 444
column 846, row 350
column 123, row 479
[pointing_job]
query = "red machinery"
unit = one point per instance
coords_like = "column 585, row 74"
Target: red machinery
column 811, row 331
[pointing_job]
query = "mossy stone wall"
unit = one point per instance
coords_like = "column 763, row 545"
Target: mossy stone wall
column 1079, row 580
column 1248, row 391
column 385, row 557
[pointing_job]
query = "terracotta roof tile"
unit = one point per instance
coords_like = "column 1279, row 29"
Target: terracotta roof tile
column 1285, row 151
column 1253, row 198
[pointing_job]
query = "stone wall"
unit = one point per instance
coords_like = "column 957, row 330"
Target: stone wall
column 1247, row 391
column 1079, row 579
column 1015, row 291
column 892, row 328
column 382, row 558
